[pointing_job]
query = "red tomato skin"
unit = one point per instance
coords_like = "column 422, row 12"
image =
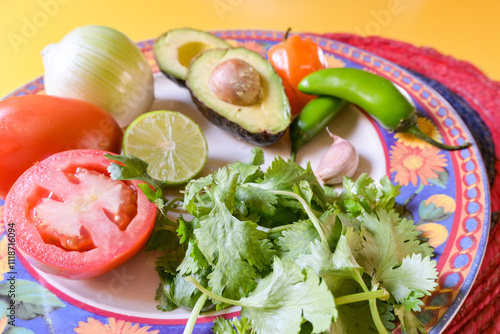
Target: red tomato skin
column 120, row 246
column 33, row 127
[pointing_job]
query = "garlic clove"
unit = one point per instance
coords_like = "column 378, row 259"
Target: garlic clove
column 341, row 159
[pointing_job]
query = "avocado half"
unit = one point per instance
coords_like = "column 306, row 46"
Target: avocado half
column 261, row 123
column 175, row 49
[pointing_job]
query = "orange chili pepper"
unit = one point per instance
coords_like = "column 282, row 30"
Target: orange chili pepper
column 293, row 59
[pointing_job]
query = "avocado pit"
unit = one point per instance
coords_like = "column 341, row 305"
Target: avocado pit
column 236, row 82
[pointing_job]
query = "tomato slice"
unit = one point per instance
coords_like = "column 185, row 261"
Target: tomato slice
column 71, row 219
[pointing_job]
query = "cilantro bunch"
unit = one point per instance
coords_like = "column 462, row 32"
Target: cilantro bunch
column 294, row 255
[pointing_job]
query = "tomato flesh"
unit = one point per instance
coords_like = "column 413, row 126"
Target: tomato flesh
column 72, row 219
column 62, row 221
column 33, row 127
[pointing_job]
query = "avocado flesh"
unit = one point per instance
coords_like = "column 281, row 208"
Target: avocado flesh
column 260, row 124
column 175, row 49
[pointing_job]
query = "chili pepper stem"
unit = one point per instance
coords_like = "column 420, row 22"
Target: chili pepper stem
column 415, row 131
column 287, row 33
column 293, row 155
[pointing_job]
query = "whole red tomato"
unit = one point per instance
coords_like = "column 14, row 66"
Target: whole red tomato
column 33, row 127
column 71, row 219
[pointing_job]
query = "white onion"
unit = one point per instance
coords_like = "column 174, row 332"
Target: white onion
column 102, row 66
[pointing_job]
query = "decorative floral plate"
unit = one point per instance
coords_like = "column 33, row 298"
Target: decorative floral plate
column 446, row 194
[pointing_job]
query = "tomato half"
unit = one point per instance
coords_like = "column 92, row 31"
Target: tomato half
column 33, row 127
column 73, row 220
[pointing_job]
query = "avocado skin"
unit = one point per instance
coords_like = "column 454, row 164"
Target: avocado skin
column 180, row 34
column 179, row 82
column 258, row 139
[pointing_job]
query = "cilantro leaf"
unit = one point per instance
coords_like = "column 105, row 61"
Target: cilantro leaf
column 257, row 157
column 185, row 294
column 225, row 189
column 253, row 200
column 364, row 195
column 174, row 291
column 297, row 240
column 356, row 318
column 164, row 236
column 406, row 234
column 186, row 228
column 413, row 301
column 332, row 227
column 284, row 175
column 231, row 326
column 163, row 292
column 235, row 249
column 388, row 240
column 246, row 172
column 333, row 267
column 393, row 257
column 193, row 261
column 223, row 326
column 194, row 200
column 282, row 298
column 134, row 168
column 232, row 278
column 410, row 324
column 415, row 273
column 354, row 240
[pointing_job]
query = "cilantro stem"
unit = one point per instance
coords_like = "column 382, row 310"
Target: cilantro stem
column 308, row 210
column 374, row 311
column 171, row 205
column 278, row 229
column 211, row 294
column 360, row 281
column 194, row 314
column 372, row 302
column 357, row 297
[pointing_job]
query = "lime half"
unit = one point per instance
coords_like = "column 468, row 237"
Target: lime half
column 171, row 143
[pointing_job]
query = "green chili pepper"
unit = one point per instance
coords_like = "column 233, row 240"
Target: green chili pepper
column 313, row 118
column 378, row 96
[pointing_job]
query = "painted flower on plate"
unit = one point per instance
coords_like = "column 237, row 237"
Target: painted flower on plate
column 435, row 233
column 4, row 259
column 3, row 323
column 413, row 163
column 436, row 208
column 334, row 61
column 427, row 127
column 442, row 201
column 94, row 326
column 253, row 46
column 2, row 226
column 149, row 54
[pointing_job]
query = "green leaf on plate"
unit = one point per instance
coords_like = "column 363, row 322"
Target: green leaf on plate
column 17, row 330
column 430, row 213
column 31, row 299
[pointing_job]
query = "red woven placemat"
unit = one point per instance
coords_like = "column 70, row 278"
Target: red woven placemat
column 480, row 312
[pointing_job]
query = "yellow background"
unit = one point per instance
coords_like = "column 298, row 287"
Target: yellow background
column 467, row 30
